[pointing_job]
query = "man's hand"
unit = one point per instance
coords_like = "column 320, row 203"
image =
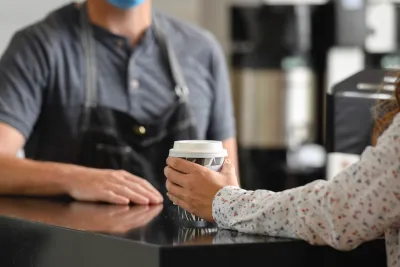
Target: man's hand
column 116, row 187
column 117, row 219
column 108, row 218
column 193, row 187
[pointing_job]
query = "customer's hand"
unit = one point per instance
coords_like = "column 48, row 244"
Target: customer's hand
column 193, row 187
column 116, row 187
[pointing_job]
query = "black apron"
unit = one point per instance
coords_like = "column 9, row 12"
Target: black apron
column 110, row 139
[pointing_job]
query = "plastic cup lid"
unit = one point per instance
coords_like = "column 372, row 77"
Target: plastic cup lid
column 198, row 149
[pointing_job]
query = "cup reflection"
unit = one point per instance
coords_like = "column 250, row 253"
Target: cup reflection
column 195, row 236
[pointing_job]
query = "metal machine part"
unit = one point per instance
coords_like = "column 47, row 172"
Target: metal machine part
column 276, row 108
column 351, row 109
column 261, row 109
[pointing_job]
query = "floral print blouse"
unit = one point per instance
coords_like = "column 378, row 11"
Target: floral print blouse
column 360, row 204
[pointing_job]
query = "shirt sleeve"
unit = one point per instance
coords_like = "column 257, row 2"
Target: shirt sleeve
column 222, row 122
column 358, row 205
column 23, row 76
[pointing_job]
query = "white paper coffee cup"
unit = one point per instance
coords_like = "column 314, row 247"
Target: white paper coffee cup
column 210, row 154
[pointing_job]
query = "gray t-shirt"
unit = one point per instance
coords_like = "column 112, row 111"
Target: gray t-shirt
column 42, row 80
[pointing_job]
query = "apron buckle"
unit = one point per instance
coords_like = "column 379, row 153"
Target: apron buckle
column 181, row 91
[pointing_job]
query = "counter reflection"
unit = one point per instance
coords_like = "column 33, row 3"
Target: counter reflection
column 91, row 217
column 158, row 225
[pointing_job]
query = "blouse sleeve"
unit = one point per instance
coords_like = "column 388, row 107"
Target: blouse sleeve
column 354, row 207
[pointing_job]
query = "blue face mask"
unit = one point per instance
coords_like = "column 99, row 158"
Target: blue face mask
column 125, row 4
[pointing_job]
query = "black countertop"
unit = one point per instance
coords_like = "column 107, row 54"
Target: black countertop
column 52, row 233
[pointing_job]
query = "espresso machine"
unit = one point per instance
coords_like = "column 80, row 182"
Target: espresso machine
column 367, row 38
column 277, row 92
column 362, row 69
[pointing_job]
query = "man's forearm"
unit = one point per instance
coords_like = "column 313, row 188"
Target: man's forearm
column 28, row 177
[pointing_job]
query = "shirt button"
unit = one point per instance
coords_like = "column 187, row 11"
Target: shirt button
column 134, row 85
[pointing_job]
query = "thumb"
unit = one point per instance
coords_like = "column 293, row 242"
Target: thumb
column 228, row 167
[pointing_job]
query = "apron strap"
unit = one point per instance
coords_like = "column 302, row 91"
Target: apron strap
column 90, row 59
column 181, row 88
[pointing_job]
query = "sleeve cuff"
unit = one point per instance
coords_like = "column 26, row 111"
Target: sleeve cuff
column 15, row 122
column 223, row 134
column 221, row 211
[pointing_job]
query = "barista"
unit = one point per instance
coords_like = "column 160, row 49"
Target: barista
column 97, row 93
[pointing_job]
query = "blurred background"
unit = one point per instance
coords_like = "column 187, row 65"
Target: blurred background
column 284, row 56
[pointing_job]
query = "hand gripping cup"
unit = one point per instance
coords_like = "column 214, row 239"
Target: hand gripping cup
column 210, row 154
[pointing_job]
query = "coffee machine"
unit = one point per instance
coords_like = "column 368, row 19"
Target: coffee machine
column 277, row 92
column 366, row 37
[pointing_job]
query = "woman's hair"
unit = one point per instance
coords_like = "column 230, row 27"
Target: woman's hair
column 385, row 111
